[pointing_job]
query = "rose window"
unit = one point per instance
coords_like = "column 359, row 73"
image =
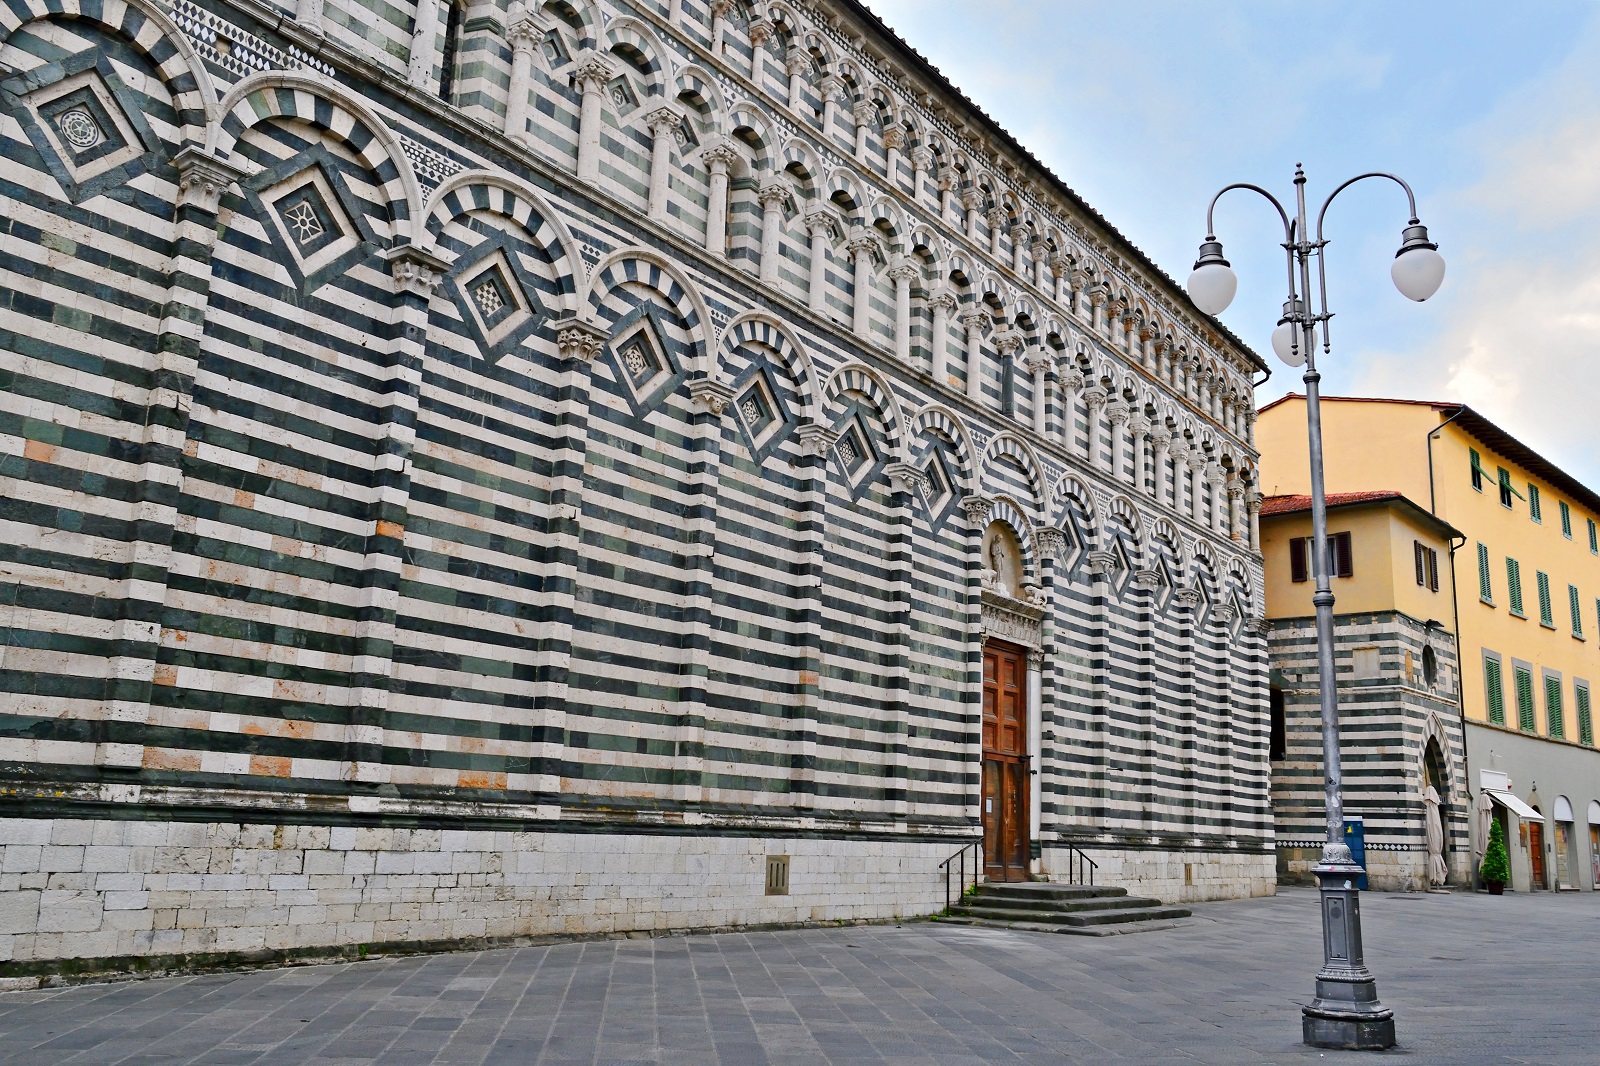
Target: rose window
column 79, row 128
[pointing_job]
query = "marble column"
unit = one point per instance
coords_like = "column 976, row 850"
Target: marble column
column 772, row 196
column 1071, row 386
column 903, row 274
column 663, row 124
column 760, row 34
column 524, row 36
column 592, row 73
column 1253, row 502
column 1216, row 479
column 424, row 47
column 863, row 249
column 1138, row 429
column 719, row 23
column 1040, row 366
column 1021, row 238
column 1236, row 529
column 1197, row 466
column 1180, row 474
column 971, row 202
column 828, row 87
column 1160, row 441
column 718, row 157
column 1094, row 401
column 862, row 111
column 905, row 483
column 811, row 477
column 974, row 320
column 894, row 139
column 996, row 218
column 308, row 16
column 796, row 62
column 921, row 163
column 1008, row 344
column 942, row 304
column 1118, row 414
column 977, row 510
column 819, row 224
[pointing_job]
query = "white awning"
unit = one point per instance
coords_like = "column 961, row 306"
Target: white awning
column 1514, row 805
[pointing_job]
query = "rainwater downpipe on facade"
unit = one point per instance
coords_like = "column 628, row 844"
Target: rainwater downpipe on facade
column 1461, row 671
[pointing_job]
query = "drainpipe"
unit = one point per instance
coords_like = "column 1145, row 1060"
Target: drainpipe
column 1455, row 605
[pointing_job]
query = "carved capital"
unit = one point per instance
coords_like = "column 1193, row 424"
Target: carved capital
column 1256, row 624
column 1254, row 501
column 719, row 8
column 1094, row 396
column 578, row 340
column 1072, row 380
column 894, row 136
column 974, row 318
column 945, row 300
column 591, row 70
column 971, row 198
column 1118, row 413
column 862, row 111
column 1051, row 542
column 1009, row 342
column 719, row 153
column 203, row 178
column 819, row 221
column 1149, row 580
column 1197, row 459
column 922, row 157
column 773, row 192
column 1186, row 596
column 1225, row 613
column 828, row 86
column 996, row 217
column 1036, row 659
column 663, row 121
column 862, row 242
column 1138, row 425
column 905, row 269
column 977, row 509
column 760, row 30
column 1039, row 363
column 815, row 439
column 416, row 271
column 711, row 394
column 796, row 60
column 525, row 32
column 903, row 477
column 1235, row 490
column 1102, row 563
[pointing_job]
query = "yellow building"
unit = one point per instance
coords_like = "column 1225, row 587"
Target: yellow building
column 1528, row 570
column 1399, row 684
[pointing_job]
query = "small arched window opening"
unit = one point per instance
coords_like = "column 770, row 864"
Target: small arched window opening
column 1430, row 667
column 453, row 20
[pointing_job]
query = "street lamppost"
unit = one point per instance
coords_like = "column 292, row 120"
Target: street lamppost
column 1346, row 1012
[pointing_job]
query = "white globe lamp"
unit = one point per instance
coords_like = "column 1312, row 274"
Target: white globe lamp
column 1213, row 283
column 1418, row 268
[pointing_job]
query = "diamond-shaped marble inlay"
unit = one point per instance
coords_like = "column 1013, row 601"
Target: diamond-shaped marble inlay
column 635, row 361
column 301, row 218
column 751, row 410
column 488, row 298
column 847, row 453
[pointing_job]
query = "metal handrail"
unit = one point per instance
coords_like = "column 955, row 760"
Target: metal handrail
column 976, row 847
column 1080, row 868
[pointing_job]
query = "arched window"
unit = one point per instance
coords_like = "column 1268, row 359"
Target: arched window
column 452, row 48
column 1430, row 666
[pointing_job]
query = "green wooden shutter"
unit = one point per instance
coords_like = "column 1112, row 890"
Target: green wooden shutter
column 1546, row 617
column 1580, row 698
column 1524, row 680
column 1485, row 579
column 1594, row 537
column 1495, row 685
column 1477, row 469
column 1553, row 717
column 1535, row 507
column 1566, row 519
column 1514, row 586
column 1577, row 610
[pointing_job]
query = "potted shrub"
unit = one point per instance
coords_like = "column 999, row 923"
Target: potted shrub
column 1496, row 868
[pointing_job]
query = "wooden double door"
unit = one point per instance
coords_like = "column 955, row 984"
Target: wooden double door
column 1005, row 762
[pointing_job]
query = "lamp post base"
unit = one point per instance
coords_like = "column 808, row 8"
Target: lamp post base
column 1346, row 1014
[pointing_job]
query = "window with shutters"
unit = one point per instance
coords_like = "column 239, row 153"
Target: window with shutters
column 1594, row 538
column 1477, row 469
column 1514, row 586
column 1299, row 559
column 1580, row 702
column 1506, row 491
column 1575, row 605
column 1427, row 565
column 454, row 19
column 1535, row 505
column 1566, row 519
column 1547, row 616
column 1485, row 579
column 1340, row 555
column 1524, row 682
column 1554, row 717
column 1494, row 688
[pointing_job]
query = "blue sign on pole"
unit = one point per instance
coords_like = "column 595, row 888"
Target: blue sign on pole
column 1355, row 835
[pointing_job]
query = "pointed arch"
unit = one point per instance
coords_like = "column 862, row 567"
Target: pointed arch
column 323, row 103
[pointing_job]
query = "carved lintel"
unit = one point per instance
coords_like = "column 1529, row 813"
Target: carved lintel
column 1012, row 620
column 417, row 271
column 711, row 394
column 203, row 178
column 1102, row 563
column 579, row 340
column 978, row 509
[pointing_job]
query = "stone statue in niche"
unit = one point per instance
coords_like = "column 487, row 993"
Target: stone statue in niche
column 994, row 573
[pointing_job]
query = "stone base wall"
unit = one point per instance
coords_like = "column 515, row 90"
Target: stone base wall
column 1387, row 870
column 108, row 889
column 1174, row 876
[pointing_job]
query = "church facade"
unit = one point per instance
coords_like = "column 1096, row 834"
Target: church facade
column 480, row 471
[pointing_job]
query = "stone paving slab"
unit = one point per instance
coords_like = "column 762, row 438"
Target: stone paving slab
column 1473, row 979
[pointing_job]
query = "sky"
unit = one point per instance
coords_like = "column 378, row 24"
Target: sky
column 1491, row 112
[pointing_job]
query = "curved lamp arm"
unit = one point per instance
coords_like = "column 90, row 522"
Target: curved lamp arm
column 1322, row 269
column 1288, row 226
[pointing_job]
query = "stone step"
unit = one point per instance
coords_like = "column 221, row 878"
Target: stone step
column 1069, row 930
column 1145, row 911
column 1055, row 906
column 1043, row 890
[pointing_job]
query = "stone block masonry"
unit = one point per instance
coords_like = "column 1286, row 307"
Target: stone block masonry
column 118, row 891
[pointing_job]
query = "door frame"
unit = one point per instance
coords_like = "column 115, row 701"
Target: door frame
column 1021, row 764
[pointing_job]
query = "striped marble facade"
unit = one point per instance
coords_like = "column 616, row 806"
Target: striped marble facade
column 611, row 455
column 1392, row 722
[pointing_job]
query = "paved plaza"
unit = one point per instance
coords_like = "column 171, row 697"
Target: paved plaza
column 1472, row 978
